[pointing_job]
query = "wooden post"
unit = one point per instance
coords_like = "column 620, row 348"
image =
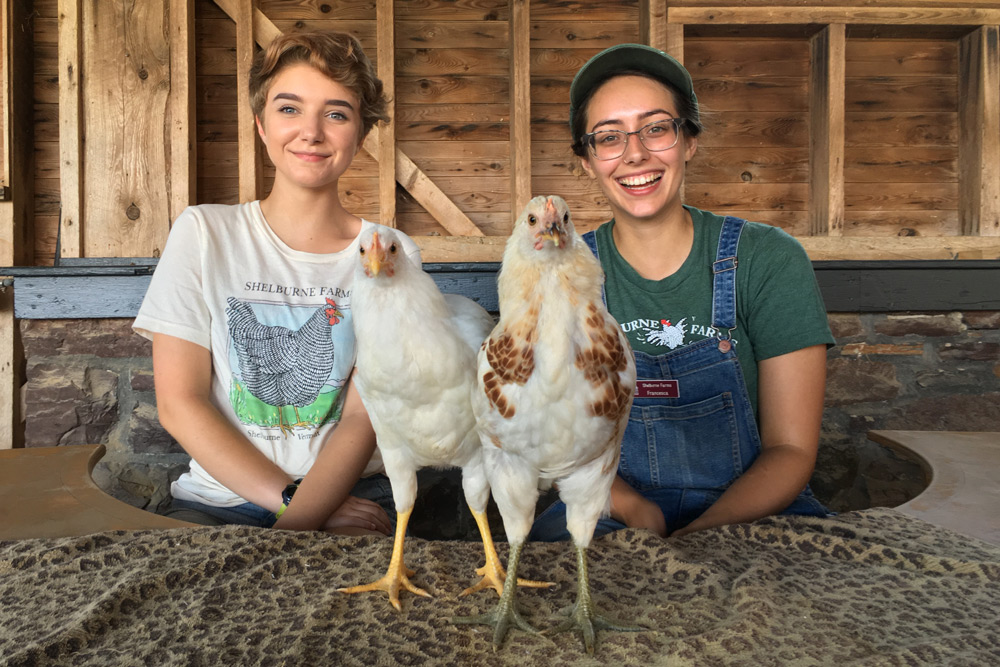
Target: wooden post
column 979, row 133
column 251, row 163
column 653, row 27
column 386, row 148
column 183, row 145
column 16, row 199
column 520, row 106
column 70, row 130
column 126, row 127
column 826, row 132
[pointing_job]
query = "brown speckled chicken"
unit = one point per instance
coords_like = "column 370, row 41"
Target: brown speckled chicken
column 556, row 379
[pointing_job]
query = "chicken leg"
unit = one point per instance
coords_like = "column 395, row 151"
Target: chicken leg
column 506, row 611
column 398, row 575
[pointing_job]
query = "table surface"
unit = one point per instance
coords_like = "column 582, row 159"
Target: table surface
column 49, row 492
column 964, row 472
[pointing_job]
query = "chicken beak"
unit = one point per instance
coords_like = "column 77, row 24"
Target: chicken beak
column 553, row 232
column 375, row 256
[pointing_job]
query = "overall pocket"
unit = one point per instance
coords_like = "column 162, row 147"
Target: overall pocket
column 692, row 446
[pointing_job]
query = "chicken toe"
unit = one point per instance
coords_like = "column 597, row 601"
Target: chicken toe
column 398, row 575
column 506, row 611
column 582, row 616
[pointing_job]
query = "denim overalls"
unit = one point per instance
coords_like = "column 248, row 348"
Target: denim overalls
column 692, row 430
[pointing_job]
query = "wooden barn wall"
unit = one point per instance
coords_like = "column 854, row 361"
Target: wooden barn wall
column 901, row 119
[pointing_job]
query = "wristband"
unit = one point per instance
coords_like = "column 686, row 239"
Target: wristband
column 286, row 497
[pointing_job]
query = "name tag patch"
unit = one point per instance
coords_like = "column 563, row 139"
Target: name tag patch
column 657, row 389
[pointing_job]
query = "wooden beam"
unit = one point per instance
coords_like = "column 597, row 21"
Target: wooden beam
column 674, row 35
column 385, row 19
column 826, row 135
column 783, row 15
column 979, row 132
column 16, row 133
column 416, row 182
column 70, row 130
column 183, row 146
column 423, row 190
column 520, row 106
column 251, row 167
column 902, row 247
column 653, row 26
column 93, row 291
column 17, row 201
column 126, row 118
column 5, row 90
column 819, row 248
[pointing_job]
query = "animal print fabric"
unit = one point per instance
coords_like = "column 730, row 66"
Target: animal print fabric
column 866, row 588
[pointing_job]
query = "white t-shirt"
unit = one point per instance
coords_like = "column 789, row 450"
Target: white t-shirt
column 277, row 322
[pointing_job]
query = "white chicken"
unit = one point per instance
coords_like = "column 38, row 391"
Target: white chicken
column 415, row 372
column 555, row 385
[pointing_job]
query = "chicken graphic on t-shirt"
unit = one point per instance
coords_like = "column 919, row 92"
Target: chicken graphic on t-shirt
column 669, row 335
column 280, row 366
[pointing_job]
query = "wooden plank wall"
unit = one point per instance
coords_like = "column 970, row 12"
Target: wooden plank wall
column 904, row 169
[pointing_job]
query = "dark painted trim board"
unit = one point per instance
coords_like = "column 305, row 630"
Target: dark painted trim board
column 101, row 288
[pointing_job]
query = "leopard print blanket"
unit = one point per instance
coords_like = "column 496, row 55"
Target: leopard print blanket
column 864, row 588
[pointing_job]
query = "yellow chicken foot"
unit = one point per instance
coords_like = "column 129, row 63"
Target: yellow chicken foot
column 582, row 615
column 398, row 575
column 506, row 611
column 492, row 572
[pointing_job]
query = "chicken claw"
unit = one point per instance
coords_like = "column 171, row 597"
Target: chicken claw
column 492, row 573
column 506, row 611
column 398, row 575
column 582, row 615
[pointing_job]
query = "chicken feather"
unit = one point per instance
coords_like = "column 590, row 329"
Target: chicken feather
column 556, row 379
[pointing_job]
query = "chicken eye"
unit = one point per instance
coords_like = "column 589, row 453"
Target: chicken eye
column 532, row 220
column 392, row 248
column 362, row 251
column 565, row 217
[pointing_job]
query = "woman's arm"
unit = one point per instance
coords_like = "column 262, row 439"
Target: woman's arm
column 635, row 511
column 790, row 391
column 182, row 372
column 322, row 499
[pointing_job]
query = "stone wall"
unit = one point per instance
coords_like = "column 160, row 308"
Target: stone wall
column 913, row 371
column 91, row 381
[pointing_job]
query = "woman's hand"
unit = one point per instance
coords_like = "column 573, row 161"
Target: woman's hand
column 358, row 516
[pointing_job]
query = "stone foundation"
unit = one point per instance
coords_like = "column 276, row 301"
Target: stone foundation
column 91, row 381
column 914, row 371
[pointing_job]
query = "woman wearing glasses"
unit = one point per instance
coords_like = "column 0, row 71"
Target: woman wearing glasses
column 725, row 318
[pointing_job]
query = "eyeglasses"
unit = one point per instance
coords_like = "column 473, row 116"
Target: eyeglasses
column 656, row 136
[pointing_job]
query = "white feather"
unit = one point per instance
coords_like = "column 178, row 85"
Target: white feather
column 416, row 355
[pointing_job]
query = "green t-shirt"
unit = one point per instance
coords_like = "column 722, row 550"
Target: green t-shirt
column 779, row 308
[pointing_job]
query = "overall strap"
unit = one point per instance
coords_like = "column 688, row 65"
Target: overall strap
column 590, row 238
column 724, row 277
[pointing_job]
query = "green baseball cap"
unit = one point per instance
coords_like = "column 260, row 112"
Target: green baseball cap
column 628, row 58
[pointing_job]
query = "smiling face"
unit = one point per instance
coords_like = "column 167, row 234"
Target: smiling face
column 311, row 127
column 641, row 184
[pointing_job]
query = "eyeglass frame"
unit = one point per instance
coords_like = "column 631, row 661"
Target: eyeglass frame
column 588, row 139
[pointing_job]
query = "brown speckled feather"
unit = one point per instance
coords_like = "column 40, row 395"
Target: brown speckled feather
column 602, row 364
